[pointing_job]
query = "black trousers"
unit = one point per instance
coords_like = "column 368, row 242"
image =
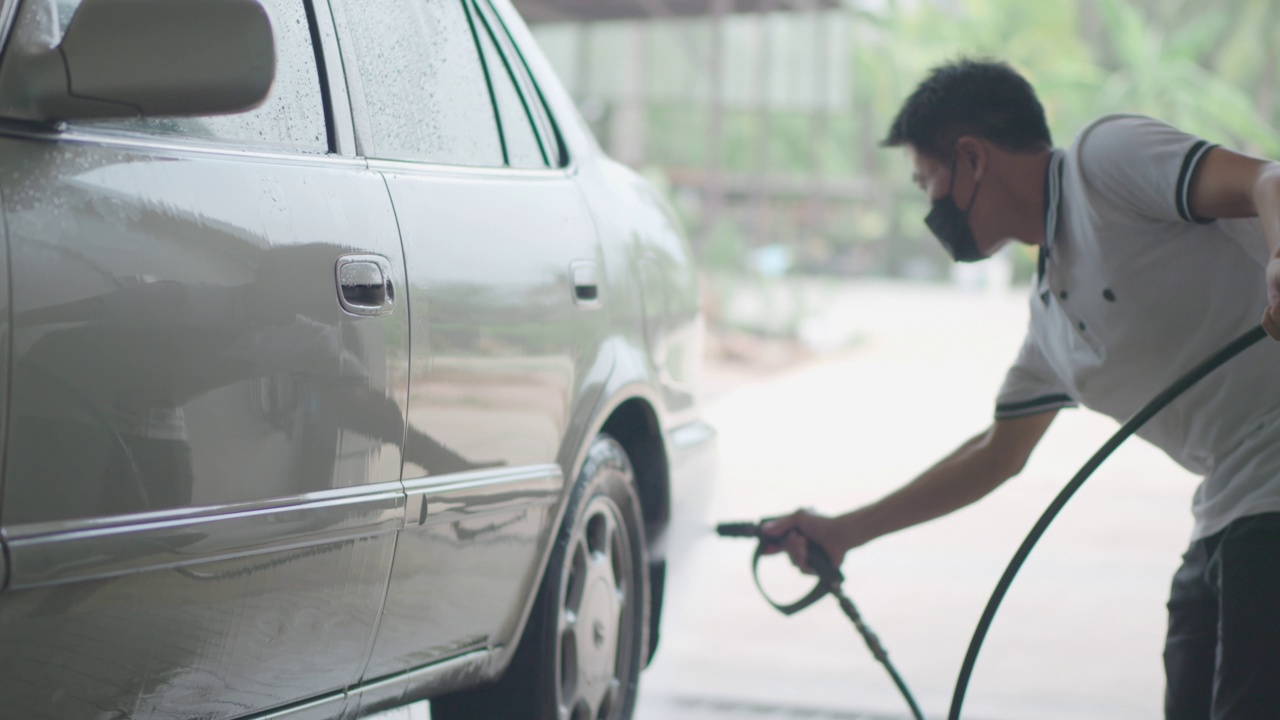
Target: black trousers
column 1222, row 653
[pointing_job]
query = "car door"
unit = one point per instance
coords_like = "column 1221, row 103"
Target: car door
column 504, row 280
column 207, row 406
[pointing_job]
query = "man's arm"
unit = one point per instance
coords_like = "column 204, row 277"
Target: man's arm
column 972, row 471
column 1230, row 185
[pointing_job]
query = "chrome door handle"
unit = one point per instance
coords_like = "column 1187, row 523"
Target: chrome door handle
column 364, row 285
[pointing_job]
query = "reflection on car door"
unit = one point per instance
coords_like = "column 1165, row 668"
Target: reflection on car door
column 204, row 447
column 504, row 279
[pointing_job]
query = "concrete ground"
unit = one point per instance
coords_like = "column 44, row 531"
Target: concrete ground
column 1080, row 634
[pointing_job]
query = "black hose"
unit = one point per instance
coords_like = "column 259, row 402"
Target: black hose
column 906, row 694
column 830, row 582
column 1170, row 393
column 877, row 650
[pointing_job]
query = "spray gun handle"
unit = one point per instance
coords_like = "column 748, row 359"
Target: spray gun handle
column 818, row 560
column 821, row 564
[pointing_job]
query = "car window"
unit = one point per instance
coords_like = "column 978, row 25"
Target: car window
column 421, row 82
column 292, row 116
column 538, row 107
column 523, row 147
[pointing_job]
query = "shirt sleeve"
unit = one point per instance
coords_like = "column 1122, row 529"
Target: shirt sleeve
column 1031, row 386
column 1142, row 163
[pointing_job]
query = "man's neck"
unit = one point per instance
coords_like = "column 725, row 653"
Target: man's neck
column 1028, row 195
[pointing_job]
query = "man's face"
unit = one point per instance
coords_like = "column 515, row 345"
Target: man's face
column 935, row 178
column 931, row 175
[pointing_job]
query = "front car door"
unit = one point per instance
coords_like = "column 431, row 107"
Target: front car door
column 201, row 485
column 504, row 280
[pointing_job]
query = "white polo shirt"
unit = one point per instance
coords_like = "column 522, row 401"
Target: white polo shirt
column 1133, row 292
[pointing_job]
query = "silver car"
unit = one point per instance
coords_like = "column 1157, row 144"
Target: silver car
column 341, row 369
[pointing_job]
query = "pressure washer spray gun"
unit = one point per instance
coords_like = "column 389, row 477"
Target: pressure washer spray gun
column 830, row 582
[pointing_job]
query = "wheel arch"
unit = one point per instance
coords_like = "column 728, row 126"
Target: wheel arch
column 635, row 425
column 634, row 422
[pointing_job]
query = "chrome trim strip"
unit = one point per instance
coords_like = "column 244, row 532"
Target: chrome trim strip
column 473, row 494
column 188, row 146
column 85, row 553
column 422, row 167
column 329, row 706
column 372, row 696
column 182, row 146
column 452, row 673
column 420, row 683
column 479, row 478
column 30, row 530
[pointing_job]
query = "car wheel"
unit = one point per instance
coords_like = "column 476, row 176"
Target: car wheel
column 582, row 651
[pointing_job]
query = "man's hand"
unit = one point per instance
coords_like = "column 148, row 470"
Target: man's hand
column 789, row 534
column 1271, row 316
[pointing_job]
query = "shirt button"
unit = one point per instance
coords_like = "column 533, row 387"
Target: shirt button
column 1108, row 295
column 1063, row 294
column 1081, row 326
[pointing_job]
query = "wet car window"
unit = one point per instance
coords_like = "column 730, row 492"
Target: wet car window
column 423, row 86
column 292, row 117
column 537, row 105
column 523, row 149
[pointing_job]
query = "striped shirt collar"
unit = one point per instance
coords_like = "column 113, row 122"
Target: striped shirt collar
column 1052, row 205
column 1052, row 196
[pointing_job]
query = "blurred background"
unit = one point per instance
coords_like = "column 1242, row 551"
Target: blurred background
column 761, row 118
column 846, row 352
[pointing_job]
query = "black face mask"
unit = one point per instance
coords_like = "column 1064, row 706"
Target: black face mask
column 950, row 224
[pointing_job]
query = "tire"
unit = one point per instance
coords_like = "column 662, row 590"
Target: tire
column 587, row 638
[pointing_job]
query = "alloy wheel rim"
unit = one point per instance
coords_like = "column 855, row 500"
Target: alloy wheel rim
column 594, row 641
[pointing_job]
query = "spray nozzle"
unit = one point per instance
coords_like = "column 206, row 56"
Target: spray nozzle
column 739, row 529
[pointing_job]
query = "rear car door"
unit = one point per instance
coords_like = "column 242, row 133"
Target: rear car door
column 209, row 385
column 504, row 280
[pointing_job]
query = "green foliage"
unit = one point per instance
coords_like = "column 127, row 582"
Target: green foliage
column 1160, row 73
column 1212, row 69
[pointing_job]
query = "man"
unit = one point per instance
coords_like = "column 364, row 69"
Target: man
column 1156, row 248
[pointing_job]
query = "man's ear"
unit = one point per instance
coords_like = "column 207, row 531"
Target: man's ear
column 972, row 152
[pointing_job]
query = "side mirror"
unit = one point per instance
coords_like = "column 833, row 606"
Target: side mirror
column 131, row 58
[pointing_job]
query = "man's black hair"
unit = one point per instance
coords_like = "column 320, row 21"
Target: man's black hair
column 978, row 97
